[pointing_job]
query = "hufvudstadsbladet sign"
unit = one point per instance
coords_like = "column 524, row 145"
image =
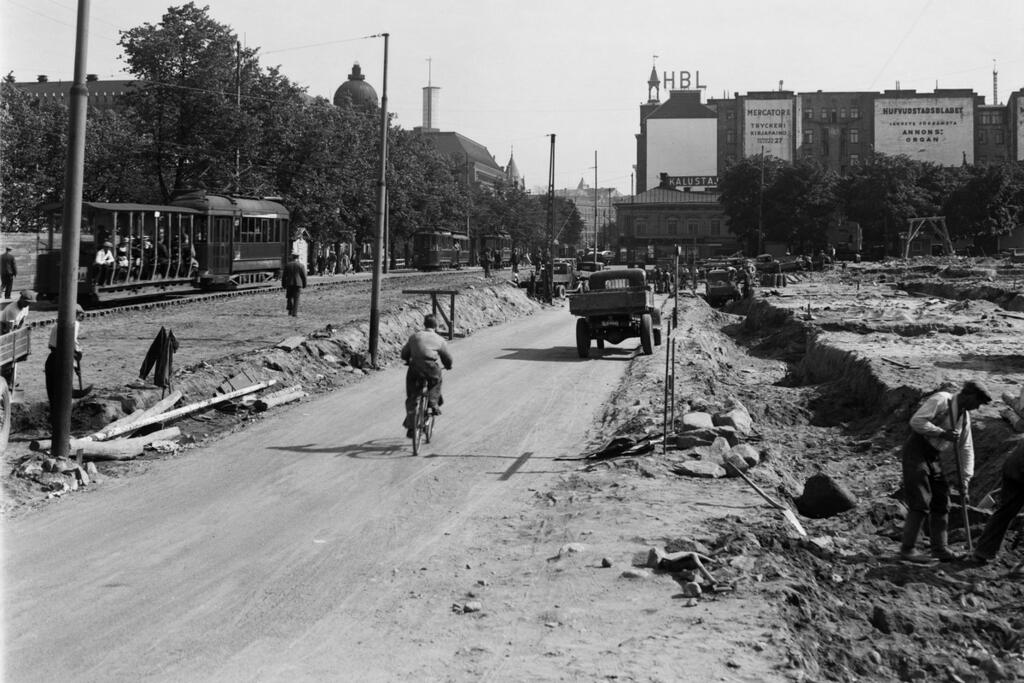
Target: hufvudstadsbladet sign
column 768, row 127
column 935, row 129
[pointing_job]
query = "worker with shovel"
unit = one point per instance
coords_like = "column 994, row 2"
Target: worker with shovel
column 940, row 449
column 52, row 367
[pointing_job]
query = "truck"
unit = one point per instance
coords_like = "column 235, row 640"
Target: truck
column 563, row 277
column 15, row 346
column 618, row 306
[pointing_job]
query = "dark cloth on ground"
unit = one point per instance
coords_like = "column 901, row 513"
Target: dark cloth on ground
column 160, row 358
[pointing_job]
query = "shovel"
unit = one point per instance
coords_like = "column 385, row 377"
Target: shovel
column 80, row 392
column 786, row 512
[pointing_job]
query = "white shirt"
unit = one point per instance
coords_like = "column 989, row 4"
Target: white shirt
column 13, row 317
column 104, row 257
column 935, row 417
column 53, row 337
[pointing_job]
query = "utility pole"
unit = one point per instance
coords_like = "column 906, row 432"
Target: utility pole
column 382, row 190
column 595, row 209
column 73, row 180
column 238, row 113
column 551, row 220
column 760, row 202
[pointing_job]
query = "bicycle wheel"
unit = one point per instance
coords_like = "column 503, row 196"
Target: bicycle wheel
column 428, row 425
column 419, row 419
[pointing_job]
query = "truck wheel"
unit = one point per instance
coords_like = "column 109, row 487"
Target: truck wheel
column 600, row 343
column 583, row 338
column 561, row 292
column 5, row 414
column 646, row 334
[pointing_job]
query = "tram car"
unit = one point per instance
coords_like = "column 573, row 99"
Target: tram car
column 439, row 249
column 198, row 240
column 499, row 243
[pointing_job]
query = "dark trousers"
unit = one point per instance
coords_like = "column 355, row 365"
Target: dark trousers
column 7, row 284
column 927, row 493
column 413, row 383
column 1011, row 502
column 51, row 370
column 292, row 299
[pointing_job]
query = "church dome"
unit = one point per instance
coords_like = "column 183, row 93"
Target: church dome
column 355, row 91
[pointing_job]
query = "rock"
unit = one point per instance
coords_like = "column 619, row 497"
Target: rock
column 734, row 464
column 605, row 562
column 571, row 549
column 824, row 497
column 49, row 465
column 716, row 452
column 738, row 418
column 635, row 573
column 53, row 481
column 273, row 365
column 472, row 606
column 748, row 453
column 291, row 343
column 31, row 468
column 90, row 467
column 697, row 420
column 691, row 589
column 691, row 602
column 881, row 619
column 693, row 439
column 82, row 476
column 700, row 468
column 330, row 358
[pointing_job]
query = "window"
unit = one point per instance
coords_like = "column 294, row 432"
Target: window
column 997, row 137
column 842, row 113
column 986, row 118
column 730, row 137
column 854, row 159
column 834, row 116
column 854, row 113
column 672, row 226
column 809, row 137
column 824, row 114
column 641, row 227
column 691, row 228
column 730, row 115
column 809, row 113
column 716, row 227
column 854, row 135
column 981, row 136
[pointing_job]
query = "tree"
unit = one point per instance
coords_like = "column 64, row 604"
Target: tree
column 742, row 197
column 989, row 201
column 798, row 205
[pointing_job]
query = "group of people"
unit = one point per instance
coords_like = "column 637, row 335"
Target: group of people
column 142, row 259
column 330, row 262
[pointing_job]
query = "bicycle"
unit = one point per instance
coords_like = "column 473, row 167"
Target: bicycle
column 423, row 420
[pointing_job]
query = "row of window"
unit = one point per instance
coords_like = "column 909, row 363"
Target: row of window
column 997, row 137
column 851, row 135
column 832, row 114
column 990, row 118
column 677, row 227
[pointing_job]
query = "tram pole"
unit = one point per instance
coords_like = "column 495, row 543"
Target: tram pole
column 550, row 268
column 382, row 190
column 70, row 237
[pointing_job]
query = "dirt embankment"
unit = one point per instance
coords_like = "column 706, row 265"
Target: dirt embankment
column 330, row 356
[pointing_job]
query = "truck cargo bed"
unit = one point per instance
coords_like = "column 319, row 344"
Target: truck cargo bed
column 611, row 302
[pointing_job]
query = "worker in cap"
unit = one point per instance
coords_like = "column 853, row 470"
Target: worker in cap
column 939, row 451
column 15, row 313
column 8, row 269
column 293, row 279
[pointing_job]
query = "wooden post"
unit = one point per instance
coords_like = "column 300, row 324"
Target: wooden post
column 436, row 308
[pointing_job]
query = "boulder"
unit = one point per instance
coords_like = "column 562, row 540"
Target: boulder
column 748, row 453
column 697, row 420
column 737, row 417
column 824, row 497
column 691, row 438
column 700, row 468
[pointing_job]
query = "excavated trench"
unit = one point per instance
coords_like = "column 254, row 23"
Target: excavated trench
column 853, row 611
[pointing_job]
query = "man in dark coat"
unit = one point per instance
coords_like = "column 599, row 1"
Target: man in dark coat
column 8, row 269
column 1011, row 502
column 293, row 279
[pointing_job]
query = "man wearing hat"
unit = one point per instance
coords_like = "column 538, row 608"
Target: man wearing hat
column 15, row 313
column 103, row 266
column 8, row 269
column 940, row 450
column 293, row 279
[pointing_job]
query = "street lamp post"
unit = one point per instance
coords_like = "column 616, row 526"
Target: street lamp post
column 382, row 189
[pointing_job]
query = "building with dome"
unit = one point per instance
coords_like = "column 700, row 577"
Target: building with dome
column 356, row 91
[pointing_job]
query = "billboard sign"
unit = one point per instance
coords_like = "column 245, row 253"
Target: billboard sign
column 935, row 129
column 768, row 126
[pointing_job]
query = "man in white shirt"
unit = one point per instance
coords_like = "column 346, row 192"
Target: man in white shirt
column 940, row 450
column 15, row 313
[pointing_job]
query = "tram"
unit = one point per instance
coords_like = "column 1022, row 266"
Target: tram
column 439, row 249
column 499, row 243
column 198, row 240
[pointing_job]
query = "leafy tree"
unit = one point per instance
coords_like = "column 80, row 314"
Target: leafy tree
column 742, row 197
column 799, row 204
column 990, row 201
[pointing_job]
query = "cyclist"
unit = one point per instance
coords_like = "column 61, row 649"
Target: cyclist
column 425, row 353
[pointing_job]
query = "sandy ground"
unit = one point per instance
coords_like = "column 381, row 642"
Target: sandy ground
column 216, row 566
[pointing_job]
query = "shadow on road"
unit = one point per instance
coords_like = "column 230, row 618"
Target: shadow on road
column 380, row 449
column 561, row 354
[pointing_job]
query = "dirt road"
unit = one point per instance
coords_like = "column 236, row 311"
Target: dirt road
column 314, row 547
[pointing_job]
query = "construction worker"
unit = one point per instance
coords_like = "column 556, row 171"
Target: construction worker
column 1011, row 502
column 940, row 449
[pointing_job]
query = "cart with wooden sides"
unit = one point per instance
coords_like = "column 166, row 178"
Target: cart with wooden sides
column 14, row 347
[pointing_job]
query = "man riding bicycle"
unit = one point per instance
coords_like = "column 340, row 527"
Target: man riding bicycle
column 425, row 353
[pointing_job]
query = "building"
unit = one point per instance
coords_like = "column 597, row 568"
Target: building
column 102, row 95
column 596, row 209
column 355, row 91
column 653, row 223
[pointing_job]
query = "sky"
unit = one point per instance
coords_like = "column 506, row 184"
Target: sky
column 511, row 74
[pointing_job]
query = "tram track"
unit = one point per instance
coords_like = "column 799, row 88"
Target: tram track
column 44, row 318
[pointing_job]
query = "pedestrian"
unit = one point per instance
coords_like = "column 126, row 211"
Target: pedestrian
column 15, row 313
column 51, row 369
column 1011, row 502
column 293, row 279
column 332, row 262
column 940, row 449
column 485, row 262
column 8, row 269
column 345, row 262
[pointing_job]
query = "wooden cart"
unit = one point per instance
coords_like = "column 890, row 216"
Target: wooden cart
column 14, row 347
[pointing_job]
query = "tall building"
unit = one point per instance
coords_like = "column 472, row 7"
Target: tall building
column 596, row 209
